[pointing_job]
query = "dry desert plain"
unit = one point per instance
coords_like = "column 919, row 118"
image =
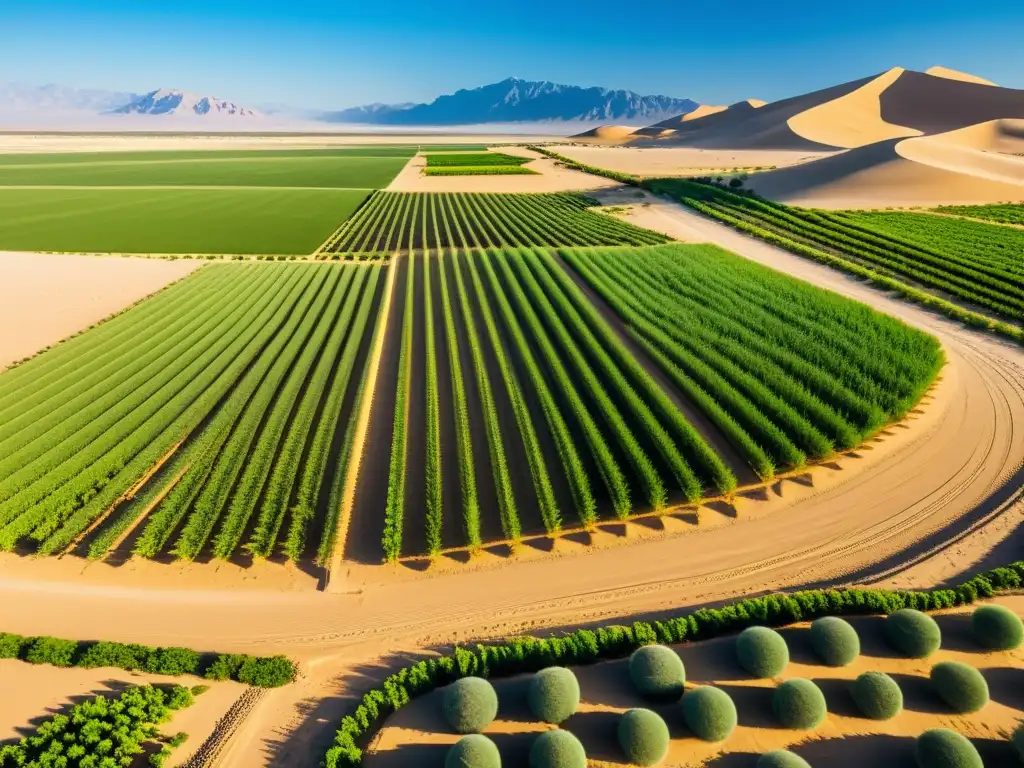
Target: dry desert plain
column 927, row 501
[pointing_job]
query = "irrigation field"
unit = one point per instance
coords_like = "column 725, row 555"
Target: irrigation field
column 476, row 164
column 510, row 405
column 393, row 222
column 976, row 264
column 1006, row 213
column 212, row 419
column 190, row 202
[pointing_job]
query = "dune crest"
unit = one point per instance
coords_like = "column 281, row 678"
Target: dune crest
column 953, row 74
column 607, row 133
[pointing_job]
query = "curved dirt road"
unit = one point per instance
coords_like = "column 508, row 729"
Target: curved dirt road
column 959, row 469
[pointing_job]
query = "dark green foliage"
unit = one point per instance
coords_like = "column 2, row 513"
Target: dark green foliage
column 1018, row 741
column 799, row 704
column 657, row 672
column 997, row 628
column 557, row 749
column 263, row 672
column 877, row 696
column 199, row 690
column 643, row 737
column 554, row 694
column 709, row 712
column 943, row 748
column 960, row 685
column 913, row 633
column 762, row 652
column 473, row 751
column 835, row 641
column 527, row 654
column 469, row 159
column 470, row 705
column 178, row 739
column 781, row 758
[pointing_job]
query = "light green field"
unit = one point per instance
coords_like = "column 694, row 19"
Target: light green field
column 189, row 202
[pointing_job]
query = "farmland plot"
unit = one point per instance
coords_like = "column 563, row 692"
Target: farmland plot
column 206, row 421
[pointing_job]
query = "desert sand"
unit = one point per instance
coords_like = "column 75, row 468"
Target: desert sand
column 685, row 161
column 45, row 298
column 606, row 134
column 43, row 691
column 953, row 74
column 549, row 176
column 418, row 735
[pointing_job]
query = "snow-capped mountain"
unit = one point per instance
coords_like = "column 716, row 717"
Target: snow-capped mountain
column 515, row 100
column 167, row 101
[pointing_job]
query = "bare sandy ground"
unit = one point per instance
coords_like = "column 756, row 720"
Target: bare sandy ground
column 550, row 177
column 34, row 691
column 684, row 161
column 45, row 298
column 26, row 143
column 417, row 735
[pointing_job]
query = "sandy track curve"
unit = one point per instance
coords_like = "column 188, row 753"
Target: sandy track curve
column 965, row 468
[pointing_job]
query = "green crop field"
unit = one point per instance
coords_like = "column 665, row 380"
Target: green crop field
column 555, row 423
column 391, row 222
column 194, row 202
column 210, row 419
column 474, row 158
column 975, row 264
column 1006, row 213
column 478, row 170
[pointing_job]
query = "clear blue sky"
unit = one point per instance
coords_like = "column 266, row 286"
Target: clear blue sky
column 338, row 53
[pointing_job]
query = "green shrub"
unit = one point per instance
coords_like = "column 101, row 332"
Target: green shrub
column 709, row 712
column 178, row 739
column 121, row 655
column 960, row 685
column 643, row 737
column 877, row 696
column 557, row 749
column 51, row 650
column 943, row 748
column 835, row 641
column 799, row 704
column 997, row 628
column 1018, row 741
column 268, row 672
column 469, row 705
column 473, row 751
column 913, row 633
column 199, row 690
column 781, row 758
column 762, row 652
column 554, row 694
column 657, row 672
column 172, row 661
column 11, row 645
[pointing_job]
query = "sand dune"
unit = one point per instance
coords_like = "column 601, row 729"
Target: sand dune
column 606, row 133
column 953, row 74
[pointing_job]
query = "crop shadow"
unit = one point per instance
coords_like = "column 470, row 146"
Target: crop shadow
column 918, row 694
column 860, row 751
column 753, row 705
column 598, row 732
column 1006, row 685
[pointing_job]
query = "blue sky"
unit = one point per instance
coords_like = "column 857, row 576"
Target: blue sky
column 314, row 53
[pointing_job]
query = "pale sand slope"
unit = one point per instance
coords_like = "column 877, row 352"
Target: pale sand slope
column 45, row 298
column 958, row 167
column 606, row 134
column 550, row 176
column 33, row 691
column 684, row 161
column 417, row 734
column 953, row 74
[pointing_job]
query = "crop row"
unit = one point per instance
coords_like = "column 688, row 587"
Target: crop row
column 479, row 170
column 564, row 406
column 469, row 220
column 192, row 424
column 466, row 159
column 786, row 372
column 936, row 253
column 1005, row 213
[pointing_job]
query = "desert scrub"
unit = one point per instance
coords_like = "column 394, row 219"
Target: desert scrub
column 912, row 633
column 710, row 713
column 643, row 737
column 762, row 652
column 781, row 758
column 960, row 685
column 657, row 672
column 473, row 751
column 557, row 749
column 877, row 696
column 799, row 704
column 997, row 628
column 834, row 641
column 553, row 694
column 469, row 705
column 943, row 748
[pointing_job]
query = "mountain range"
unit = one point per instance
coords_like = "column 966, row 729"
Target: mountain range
column 172, row 102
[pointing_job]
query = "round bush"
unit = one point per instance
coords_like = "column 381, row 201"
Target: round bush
column 943, row 748
column 1018, row 741
column 835, row 641
column 469, row 705
column 557, row 749
column 997, row 628
column 877, row 696
column 473, row 751
column 643, row 737
column 781, row 758
column 960, row 685
column 709, row 712
column 799, row 704
column 657, row 672
column 913, row 633
column 553, row 695
column 762, row 652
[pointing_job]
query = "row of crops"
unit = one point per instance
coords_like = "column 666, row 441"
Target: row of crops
column 1005, row 213
column 395, row 222
column 976, row 264
column 555, row 421
column 213, row 418
column 465, row 159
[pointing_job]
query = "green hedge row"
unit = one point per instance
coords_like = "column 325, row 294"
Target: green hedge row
column 530, row 654
column 260, row 671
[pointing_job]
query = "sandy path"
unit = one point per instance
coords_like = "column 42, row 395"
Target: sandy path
column 45, row 298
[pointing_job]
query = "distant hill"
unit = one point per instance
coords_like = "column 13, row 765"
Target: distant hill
column 15, row 97
column 173, row 102
column 520, row 101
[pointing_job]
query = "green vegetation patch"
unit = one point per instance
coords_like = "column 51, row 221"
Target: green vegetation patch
column 834, row 641
column 557, row 749
column 657, row 672
column 762, row 651
column 997, row 628
column 781, row 758
column 960, row 685
column 173, row 221
column 643, row 736
column 913, row 633
column 943, row 748
column 479, row 170
column 1002, row 213
column 466, row 159
column 469, row 705
column 877, row 696
column 553, row 694
column 473, row 751
column 710, row 713
column 799, row 704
